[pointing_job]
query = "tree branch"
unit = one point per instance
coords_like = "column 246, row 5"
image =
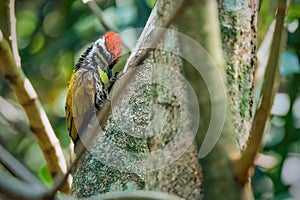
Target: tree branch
column 16, row 189
column 204, row 27
column 16, row 117
column 16, row 167
column 39, row 123
column 244, row 164
column 136, row 195
column 162, row 16
column 13, row 32
column 97, row 11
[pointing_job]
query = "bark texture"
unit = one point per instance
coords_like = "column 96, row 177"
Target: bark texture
column 218, row 179
column 238, row 20
column 182, row 177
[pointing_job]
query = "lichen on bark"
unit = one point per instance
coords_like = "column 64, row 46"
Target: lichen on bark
column 238, row 32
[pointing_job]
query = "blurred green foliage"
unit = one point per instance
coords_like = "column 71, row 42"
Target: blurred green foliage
column 282, row 137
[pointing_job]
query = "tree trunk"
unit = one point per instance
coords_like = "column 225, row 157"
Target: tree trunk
column 238, row 20
column 101, row 172
column 148, row 101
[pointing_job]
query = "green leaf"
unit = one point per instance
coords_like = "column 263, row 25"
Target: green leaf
column 45, row 176
column 294, row 11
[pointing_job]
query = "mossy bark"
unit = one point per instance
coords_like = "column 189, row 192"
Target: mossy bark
column 203, row 26
column 238, row 20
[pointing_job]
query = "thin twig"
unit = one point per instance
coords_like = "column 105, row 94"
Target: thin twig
column 145, row 195
column 160, row 17
column 244, row 164
column 92, row 5
column 15, row 189
column 15, row 117
column 97, row 11
column 16, row 167
column 13, row 32
column 39, row 123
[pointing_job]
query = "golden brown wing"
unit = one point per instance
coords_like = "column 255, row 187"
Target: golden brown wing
column 80, row 102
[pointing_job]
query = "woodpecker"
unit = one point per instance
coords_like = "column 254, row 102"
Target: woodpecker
column 91, row 82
